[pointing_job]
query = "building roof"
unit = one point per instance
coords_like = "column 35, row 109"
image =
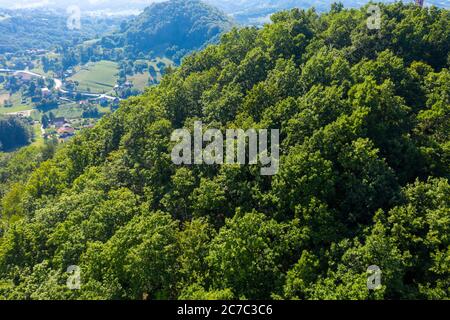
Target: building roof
column 65, row 129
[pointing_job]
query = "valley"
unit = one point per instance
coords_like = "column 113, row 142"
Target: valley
column 83, row 80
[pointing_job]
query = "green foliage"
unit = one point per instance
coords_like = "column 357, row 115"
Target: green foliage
column 141, row 258
column 248, row 255
column 363, row 179
column 14, row 132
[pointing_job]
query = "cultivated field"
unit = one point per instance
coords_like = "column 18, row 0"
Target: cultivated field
column 99, row 77
column 140, row 80
column 16, row 99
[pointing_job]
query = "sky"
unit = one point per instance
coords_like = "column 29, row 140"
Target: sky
column 88, row 4
column 227, row 5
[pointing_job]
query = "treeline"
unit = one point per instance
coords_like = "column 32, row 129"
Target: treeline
column 14, row 132
column 15, row 169
column 365, row 162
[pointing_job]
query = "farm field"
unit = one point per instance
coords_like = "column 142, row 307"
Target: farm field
column 71, row 111
column 16, row 99
column 139, row 80
column 68, row 111
column 3, row 97
column 98, row 77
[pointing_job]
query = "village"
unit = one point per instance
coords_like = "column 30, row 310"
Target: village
column 47, row 96
column 57, row 103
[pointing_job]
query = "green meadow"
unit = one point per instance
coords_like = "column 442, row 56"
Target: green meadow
column 98, row 77
column 16, row 100
column 140, row 80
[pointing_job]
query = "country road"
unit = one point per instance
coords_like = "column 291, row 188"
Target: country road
column 59, row 85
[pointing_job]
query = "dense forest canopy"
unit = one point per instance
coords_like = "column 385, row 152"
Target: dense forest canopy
column 364, row 122
column 14, row 132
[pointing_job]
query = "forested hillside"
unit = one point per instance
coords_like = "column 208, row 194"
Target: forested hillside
column 257, row 12
column 45, row 29
column 172, row 28
column 365, row 162
column 15, row 169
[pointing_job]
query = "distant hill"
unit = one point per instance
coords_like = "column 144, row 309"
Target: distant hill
column 257, row 12
column 46, row 28
column 171, row 28
column 246, row 12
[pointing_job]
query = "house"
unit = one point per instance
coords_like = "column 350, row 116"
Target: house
column 68, row 73
column 59, row 122
column 65, row 131
column 46, row 92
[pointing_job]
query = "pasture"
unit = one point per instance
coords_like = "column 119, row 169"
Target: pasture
column 98, row 77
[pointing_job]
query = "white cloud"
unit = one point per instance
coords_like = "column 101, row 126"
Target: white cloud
column 25, row 4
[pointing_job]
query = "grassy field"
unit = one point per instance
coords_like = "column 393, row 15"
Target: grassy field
column 38, row 140
column 3, row 97
column 17, row 103
column 99, row 77
column 36, row 115
column 68, row 111
column 139, row 80
column 40, row 70
column 103, row 110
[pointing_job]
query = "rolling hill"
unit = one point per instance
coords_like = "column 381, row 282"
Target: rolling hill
column 171, row 29
column 246, row 12
column 47, row 28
